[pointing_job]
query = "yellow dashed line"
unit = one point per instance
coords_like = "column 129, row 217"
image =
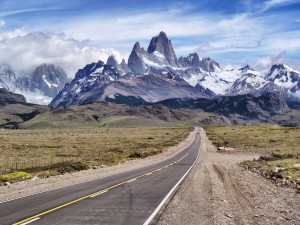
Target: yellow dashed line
column 94, row 194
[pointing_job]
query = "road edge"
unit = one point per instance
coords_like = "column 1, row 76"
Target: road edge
column 155, row 216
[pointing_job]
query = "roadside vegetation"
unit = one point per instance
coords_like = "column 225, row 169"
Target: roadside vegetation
column 278, row 146
column 49, row 152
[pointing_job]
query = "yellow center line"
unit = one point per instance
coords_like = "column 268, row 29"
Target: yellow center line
column 93, row 194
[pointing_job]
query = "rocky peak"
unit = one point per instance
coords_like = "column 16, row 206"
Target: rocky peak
column 88, row 69
column 247, row 67
column 279, row 66
column 209, row 65
column 192, row 60
column 135, row 60
column 124, row 67
column 49, row 79
column 163, row 45
column 7, row 76
column 137, row 47
column 283, row 73
column 111, row 61
column 52, row 73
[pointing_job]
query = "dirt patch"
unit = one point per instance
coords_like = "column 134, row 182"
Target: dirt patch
column 218, row 191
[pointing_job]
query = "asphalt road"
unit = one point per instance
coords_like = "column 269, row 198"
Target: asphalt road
column 127, row 198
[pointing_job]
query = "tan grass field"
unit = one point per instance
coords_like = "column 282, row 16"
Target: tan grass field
column 37, row 151
column 278, row 146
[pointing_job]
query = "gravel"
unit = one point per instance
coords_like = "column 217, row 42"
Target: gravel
column 218, row 191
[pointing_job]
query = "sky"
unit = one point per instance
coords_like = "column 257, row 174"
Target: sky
column 73, row 33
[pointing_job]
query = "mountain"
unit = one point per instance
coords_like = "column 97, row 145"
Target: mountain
column 8, row 77
column 121, row 68
column 107, row 114
column 244, row 107
column 39, row 86
column 86, row 85
column 249, row 83
column 7, row 97
column 156, row 74
column 161, row 47
column 285, row 77
column 14, row 109
column 280, row 78
column 160, row 57
column 98, row 82
column 48, row 79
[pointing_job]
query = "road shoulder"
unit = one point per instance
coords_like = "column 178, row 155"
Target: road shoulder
column 218, row 191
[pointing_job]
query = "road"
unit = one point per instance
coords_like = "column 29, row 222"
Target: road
column 132, row 197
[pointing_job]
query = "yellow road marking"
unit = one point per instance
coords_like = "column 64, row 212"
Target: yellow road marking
column 37, row 216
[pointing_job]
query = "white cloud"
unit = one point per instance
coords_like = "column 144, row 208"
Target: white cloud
column 236, row 37
column 24, row 50
column 267, row 62
column 275, row 3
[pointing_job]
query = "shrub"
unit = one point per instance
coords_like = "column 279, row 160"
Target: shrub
column 19, row 175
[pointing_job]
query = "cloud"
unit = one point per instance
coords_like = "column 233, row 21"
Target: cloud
column 24, row 50
column 239, row 36
column 276, row 3
column 267, row 62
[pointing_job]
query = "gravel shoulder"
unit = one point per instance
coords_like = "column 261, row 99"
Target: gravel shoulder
column 218, row 191
column 34, row 186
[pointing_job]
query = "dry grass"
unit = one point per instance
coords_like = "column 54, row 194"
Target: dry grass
column 279, row 146
column 91, row 146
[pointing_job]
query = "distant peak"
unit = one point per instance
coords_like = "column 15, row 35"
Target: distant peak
column 162, row 35
column 247, row 67
column 163, row 45
column 111, row 61
column 137, row 45
column 280, row 67
column 112, row 57
column 195, row 54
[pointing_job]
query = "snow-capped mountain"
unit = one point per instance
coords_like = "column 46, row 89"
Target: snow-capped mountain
column 207, row 74
column 280, row 78
column 7, row 77
column 156, row 74
column 86, row 83
column 250, row 82
column 286, row 78
column 99, row 81
column 39, row 87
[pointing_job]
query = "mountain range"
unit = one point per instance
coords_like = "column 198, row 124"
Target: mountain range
column 157, row 74
column 151, row 75
column 38, row 86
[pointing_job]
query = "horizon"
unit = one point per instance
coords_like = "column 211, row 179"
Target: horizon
column 71, row 35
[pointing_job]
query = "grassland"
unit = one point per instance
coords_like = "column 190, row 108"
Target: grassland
column 53, row 151
column 278, row 146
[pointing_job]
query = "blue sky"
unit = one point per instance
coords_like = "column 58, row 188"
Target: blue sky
column 75, row 32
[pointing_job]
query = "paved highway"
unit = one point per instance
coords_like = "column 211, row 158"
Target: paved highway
column 129, row 198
